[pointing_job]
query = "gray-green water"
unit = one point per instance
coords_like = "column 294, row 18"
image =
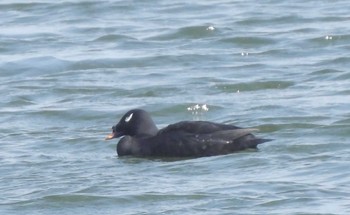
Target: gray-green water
column 70, row 69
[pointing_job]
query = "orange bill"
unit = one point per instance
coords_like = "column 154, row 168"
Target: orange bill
column 110, row 136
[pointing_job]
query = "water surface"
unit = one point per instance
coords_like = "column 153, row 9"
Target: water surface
column 69, row 70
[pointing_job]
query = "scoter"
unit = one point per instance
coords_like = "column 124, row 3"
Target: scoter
column 142, row 138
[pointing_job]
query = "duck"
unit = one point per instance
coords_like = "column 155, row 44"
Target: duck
column 140, row 137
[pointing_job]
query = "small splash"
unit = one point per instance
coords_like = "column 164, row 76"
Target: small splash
column 210, row 28
column 328, row 37
column 198, row 109
column 244, row 53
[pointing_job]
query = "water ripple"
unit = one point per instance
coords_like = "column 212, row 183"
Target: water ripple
column 253, row 86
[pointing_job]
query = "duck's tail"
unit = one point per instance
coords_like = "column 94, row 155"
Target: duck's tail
column 254, row 142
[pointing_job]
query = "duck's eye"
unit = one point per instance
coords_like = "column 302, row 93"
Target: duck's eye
column 128, row 118
column 113, row 128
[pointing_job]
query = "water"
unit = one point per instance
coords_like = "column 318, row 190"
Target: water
column 70, row 70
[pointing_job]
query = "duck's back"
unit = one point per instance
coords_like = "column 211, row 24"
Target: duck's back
column 197, row 127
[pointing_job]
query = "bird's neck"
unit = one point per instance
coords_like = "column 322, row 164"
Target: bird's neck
column 150, row 129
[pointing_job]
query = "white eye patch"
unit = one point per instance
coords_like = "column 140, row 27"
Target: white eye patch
column 128, row 118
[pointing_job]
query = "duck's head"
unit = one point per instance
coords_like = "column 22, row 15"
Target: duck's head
column 134, row 123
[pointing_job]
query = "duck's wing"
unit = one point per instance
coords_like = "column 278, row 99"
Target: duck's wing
column 229, row 134
column 197, row 127
column 177, row 143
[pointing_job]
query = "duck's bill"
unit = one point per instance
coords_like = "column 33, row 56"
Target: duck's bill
column 111, row 136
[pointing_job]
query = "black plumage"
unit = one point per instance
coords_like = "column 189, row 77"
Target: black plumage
column 182, row 139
